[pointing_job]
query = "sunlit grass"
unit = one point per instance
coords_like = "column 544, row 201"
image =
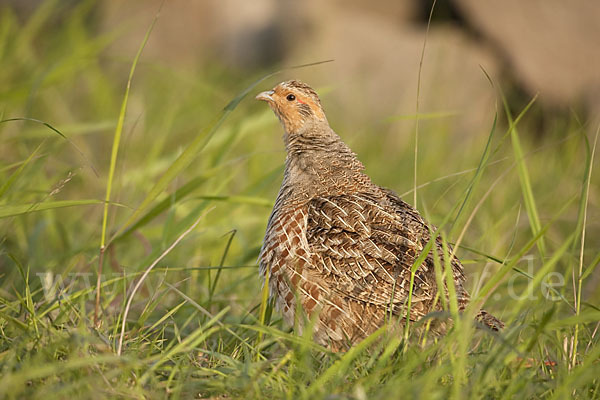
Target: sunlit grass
column 193, row 146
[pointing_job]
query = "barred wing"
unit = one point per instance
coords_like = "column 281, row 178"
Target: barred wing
column 365, row 246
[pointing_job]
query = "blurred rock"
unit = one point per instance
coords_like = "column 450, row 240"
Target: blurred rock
column 376, row 67
column 549, row 46
column 238, row 34
column 546, row 46
column 376, row 50
column 552, row 46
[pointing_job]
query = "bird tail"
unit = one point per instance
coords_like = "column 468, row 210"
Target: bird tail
column 489, row 320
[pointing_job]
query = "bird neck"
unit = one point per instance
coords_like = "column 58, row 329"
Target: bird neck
column 319, row 163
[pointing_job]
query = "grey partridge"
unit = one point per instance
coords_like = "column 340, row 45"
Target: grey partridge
column 338, row 245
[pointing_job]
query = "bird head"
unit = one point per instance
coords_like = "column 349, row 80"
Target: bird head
column 295, row 103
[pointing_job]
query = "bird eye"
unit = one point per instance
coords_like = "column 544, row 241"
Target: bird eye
column 291, row 97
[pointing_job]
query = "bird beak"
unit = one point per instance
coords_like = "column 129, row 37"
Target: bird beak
column 266, row 96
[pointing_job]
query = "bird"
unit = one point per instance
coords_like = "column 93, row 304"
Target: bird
column 338, row 249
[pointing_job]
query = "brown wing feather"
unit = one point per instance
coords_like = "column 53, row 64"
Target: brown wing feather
column 407, row 212
column 367, row 244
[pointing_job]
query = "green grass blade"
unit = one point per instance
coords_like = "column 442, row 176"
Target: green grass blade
column 163, row 205
column 528, row 197
column 339, row 368
column 581, row 227
column 15, row 175
column 59, row 133
column 478, row 172
column 591, row 267
column 18, row 209
column 186, row 158
column 495, row 280
column 192, row 150
column 119, row 130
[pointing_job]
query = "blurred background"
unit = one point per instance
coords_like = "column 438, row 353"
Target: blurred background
column 549, row 48
column 66, row 63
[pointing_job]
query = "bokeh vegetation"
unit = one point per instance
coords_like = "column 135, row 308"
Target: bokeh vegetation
column 518, row 199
